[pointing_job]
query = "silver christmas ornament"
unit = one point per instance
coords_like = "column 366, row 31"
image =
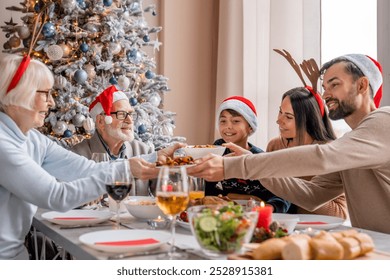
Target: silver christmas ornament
column 72, row 128
column 114, row 48
column 90, row 69
column 155, row 100
column 60, row 82
column 123, row 82
column 66, row 50
column 23, row 32
column 54, row 52
column 89, row 124
column 78, row 120
column 60, row 127
column 68, row 4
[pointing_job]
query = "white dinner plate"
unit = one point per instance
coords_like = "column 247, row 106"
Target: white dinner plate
column 176, row 167
column 185, row 225
column 77, row 217
column 319, row 222
column 121, row 241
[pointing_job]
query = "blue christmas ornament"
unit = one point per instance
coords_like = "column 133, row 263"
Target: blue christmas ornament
column 82, row 4
column 107, row 3
column 38, row 6
column 84, row 47
column 48, row 30
column 133, row 101
column 80, row 76
column 113, row 81
column 68, row 133
column 146, row 38
column 134, row 56
column 142, row 129
column 149, row 74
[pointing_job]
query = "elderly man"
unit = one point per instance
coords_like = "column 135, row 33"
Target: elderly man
column 358, row 163
column 114, row 133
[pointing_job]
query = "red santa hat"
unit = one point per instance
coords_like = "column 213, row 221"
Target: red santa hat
column 242, row 106
column 372, row 70
column 103, row 103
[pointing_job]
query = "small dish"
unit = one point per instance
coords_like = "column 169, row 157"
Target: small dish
column 286, row 221
column 77, row 217
column 183, row 224
column 319, row 222
column 143, row 207
column 121, row 241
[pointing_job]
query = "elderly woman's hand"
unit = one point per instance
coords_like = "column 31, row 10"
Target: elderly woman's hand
column 209, row 167
column 142, row 169
column 236, row 150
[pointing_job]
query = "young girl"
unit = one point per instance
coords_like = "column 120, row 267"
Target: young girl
column 236, row 121
column 301, row 123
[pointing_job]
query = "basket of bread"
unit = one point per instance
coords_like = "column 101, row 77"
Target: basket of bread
column 347, row 245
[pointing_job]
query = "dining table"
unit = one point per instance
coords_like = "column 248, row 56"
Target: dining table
column 68, row 239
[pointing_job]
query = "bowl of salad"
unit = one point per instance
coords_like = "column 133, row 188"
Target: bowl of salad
column 221, row 229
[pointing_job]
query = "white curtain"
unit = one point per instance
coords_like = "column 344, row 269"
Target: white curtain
column 247, row 65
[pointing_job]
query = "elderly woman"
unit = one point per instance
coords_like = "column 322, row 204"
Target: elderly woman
column 34, row 171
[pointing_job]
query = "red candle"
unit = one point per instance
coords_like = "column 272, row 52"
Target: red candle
column 265, row 215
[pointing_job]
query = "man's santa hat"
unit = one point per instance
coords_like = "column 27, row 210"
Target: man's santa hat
column 103, row 103
column 372, row 70
column 242, row 106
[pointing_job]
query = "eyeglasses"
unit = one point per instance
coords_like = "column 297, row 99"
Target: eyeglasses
column 121, row 115
column 47, row 92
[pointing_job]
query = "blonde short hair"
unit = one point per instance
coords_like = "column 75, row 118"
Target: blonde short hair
column 36, row 77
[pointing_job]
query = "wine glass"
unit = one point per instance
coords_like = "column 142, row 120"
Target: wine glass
column 99, row 157
column 172, row 198
column 197, row 188
column 118, row 184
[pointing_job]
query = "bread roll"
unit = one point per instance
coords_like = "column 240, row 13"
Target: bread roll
column 326, row 249
column 270, row 249
column 297, row 249
column 324, row 235
column 351, row 247
column 366, row 243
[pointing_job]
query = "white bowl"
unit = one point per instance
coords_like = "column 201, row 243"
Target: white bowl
column 286, row 221
column 201, row 152
column 143, row 207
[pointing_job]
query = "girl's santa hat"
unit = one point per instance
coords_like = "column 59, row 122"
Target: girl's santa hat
column 242, row 106
column 103, row 103
column 372, row 70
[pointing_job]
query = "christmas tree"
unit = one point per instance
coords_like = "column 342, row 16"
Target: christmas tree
column 90, row 45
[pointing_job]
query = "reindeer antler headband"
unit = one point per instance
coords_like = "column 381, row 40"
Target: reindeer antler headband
column 312, row 72
column 27, row 58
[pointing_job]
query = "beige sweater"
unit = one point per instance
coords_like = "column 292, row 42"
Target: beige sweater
column 335, row 207
column 357, row 163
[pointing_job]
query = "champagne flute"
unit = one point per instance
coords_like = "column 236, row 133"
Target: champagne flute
column 118, row 184
column 172, row 198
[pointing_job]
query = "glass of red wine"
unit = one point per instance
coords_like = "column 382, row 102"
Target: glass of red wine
column 118, row 184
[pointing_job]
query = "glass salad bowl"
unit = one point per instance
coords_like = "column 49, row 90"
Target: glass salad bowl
column 221, row 229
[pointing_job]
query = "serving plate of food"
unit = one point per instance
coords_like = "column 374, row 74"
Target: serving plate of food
column 199, row 151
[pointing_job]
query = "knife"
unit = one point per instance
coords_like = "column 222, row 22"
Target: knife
column 137, row 254
column 85, row 226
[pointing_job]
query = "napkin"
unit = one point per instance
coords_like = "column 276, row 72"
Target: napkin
column 133, row 242
column 312, row 223
column 75, row 218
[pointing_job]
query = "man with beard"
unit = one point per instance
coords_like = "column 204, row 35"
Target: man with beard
column 358, row 163
column 114, row 133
